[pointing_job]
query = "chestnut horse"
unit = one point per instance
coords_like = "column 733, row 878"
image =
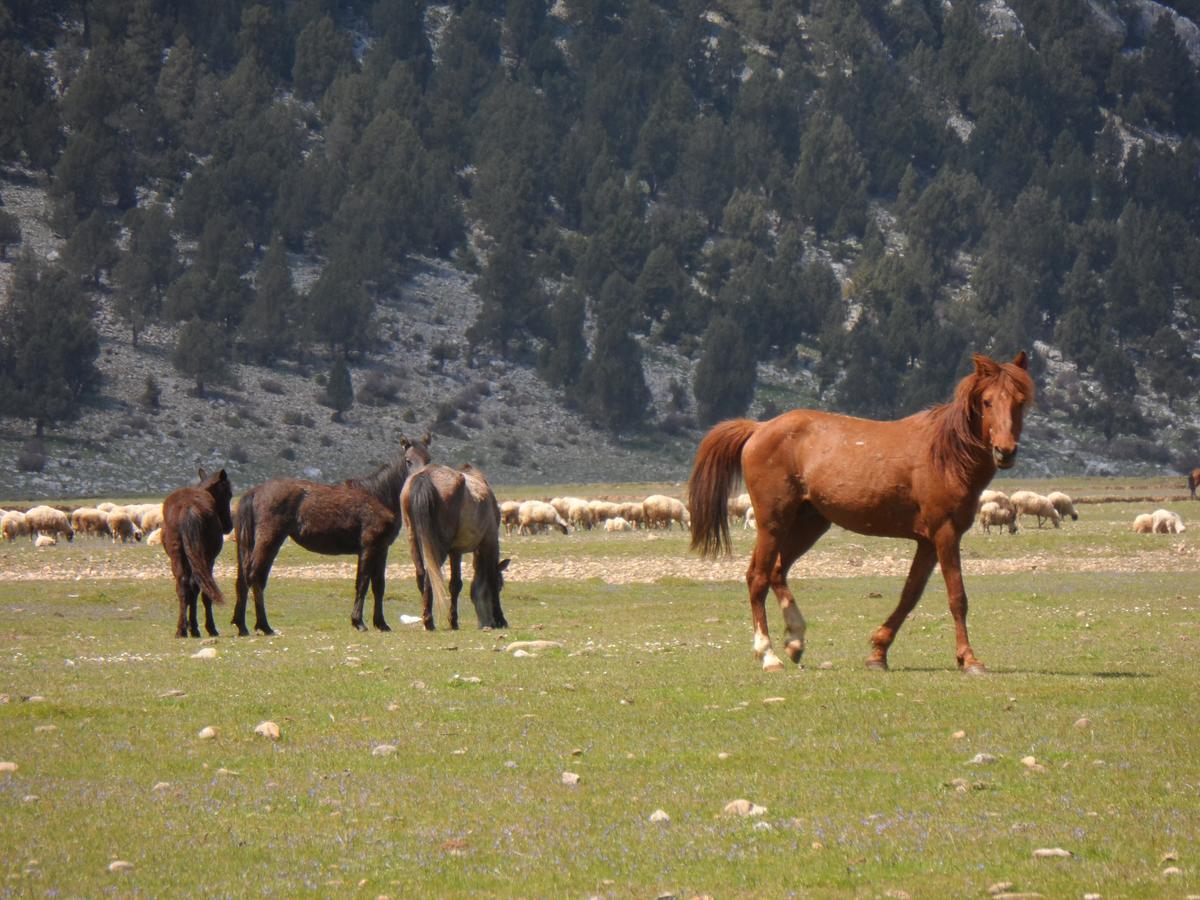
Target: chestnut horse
column 918, row 478
column 195, row 521
column 359, row 516
column 450, row 512
column 1193, row 481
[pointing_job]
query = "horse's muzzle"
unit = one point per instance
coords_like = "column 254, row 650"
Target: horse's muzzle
column 1004, row 458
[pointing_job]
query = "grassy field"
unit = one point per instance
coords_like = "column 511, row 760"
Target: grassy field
column 654, row 701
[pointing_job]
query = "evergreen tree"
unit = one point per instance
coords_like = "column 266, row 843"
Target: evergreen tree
column 830, row 183
column 10, row 232
column 513, row 303
column 266, row 328
column 339, row 390
column 135, row 299
column 612, row 386
column 322, row 51
column 202, row 354
column 339, row 309
column 724, row 381
column 561, row 357
column 48, row 345
column 91, row 249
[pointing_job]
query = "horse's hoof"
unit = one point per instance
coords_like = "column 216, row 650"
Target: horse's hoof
column 359, row 625
column 879, row 665
column 266, row 630
column 975, row 668
column 383, row 626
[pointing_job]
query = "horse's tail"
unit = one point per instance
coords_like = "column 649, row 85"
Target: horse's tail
column 717, row 467
column 1192, row 482
column 424, row 502
column 244, row 528
column 191, row 536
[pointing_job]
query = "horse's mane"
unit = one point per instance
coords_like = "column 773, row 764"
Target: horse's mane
column 385, row 483
column 956, row 441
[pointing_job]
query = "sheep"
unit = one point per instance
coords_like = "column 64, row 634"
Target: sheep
column 1144, row 524
column 91, row 521
column 122, row 527
column 634, row 514
column 13, row 525
column 1028, row 503
column 738, row 506
column 602, row 510
column 749, row 519
column 1167, row 522
column 48, row 520
column 107, row 506
column 154, row 538
column 617, row 523
column 1063, row 504
column 540, row 515
column 1000, row 498
column 661, row 511
column 146, row 516
column 508, row 515
column 579, row 514
column 992, row 513
column 44, row 540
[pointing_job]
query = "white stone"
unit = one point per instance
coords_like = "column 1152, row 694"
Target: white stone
column 570, row 778
column 383, row 750
column 268, row 730
column 119, row 865
column 659, row 816
column 207, row 733
column 1052, row 853
column 743, row 808
column 205, row 653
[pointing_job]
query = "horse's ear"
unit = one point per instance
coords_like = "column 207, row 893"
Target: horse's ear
column 427, row 438
column 221, row 476
column 984, row 366
column 405, row 442
column 1021, row 361
column 202, row 473
column 503, row 565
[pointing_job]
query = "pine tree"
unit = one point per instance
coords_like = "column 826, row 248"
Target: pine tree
column 562, row 356
column 91, row 249
column 136, row 299
column 339, row 390
column 201, row 353
column 266, row 328
column 48, row 344
column 10, row 232
column 725, row 375
column 612, row 386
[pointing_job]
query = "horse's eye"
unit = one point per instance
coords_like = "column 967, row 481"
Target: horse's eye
column 987, row 404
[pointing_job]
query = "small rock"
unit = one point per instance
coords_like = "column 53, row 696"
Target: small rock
column 1171, row 871
column 817, row 845
column 897, row 894
column 825, row 665
column 161, row 786
column 119, row 865
column 1169, row 856
column 1091, row 897
column 30, row 798
column 659, row 816
column 393, row 707
column 767, row 701
column 959, row 735
column 981, row 759
column 570, row 778
column 1000, row 887
column 383, row 750
column 35, row 698
column 763, row 826
column 1083, row 723
column 207, row 733
column 532, row 645
column 165, row 695
column 1052, row 853
column 743, row 808
column 268, row 730
column 722, row 755
column 578, row 751
column 228, row 772
column 45, row 729
column 522, row 654
column 205, row 653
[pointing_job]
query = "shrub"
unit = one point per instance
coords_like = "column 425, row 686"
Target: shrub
column 287, row 453
column 271, row 386
column 298, row 419
column 32, row 457
column 378, row 389
column 470, row 420
column 410, row 415
column 237, row 454
column 151, row 397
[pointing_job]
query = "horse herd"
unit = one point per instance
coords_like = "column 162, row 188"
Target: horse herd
column 922, row 478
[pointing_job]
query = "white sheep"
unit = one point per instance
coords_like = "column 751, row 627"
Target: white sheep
column 91, row 521
column 579, row 514
column 122, row 527
column 1167, row 522
column 662, row 511
column 1029, row 503
column 45, row 540
column 154, row 538
column 13, row 525
column 508, row 515
column 1063, row 504
column 617, row 523
column 539, row 515
column 738, row 506
column 992, row 513
column 1144, row 524
column 48, row 520
column 1000, row 498
column 749, row 519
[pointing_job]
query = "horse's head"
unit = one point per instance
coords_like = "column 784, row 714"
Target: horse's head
column 999, row 394
column 416, row 453
column 485, row 593
column 221, row 489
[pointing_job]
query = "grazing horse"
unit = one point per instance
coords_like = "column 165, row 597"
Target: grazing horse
column 195, row 521
column 917, row 478
column 450, row 512
column 1193, row 481
column 360, row 516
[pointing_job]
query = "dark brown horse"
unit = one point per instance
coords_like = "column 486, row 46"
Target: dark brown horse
column 450, row 512
column 917, row 478
column 360, row 516
column 1193, row 481
column 195, row 521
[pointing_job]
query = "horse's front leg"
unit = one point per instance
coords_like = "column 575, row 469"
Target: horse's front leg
column 950, row 559
column 456, row 584
column 803, row 533
column 378, row 577
column 758, row 581
column 193, row 625
column 918, row 576
column 209, row 625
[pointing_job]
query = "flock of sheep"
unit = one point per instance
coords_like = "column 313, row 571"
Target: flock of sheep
column 45, row 525
column 565, row 513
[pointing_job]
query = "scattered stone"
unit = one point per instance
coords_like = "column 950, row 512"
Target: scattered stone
column 30, row 798
column 825, row 665
column 578, row 751
column 35, row 698
column 743, row 808
column 1001, row 887
column 268, row 730
column 1023, row 895
column 383, row 750
column 1169, row 856
column 659, row 816
column 763, row 826
column 161, row 786
column 897, row 894
column 1171, row 871
column 207, row 733
column 45, row 729
column 1091, row 897
column 229, row 772
column 767, row 701
column 981, row 759
column 1052, row 853
column 1031, row 763
column 119, row 865
column 959, row 735
column 393, row 707
column 166, row 695
column 570, row 778
column 532, row 645
column 817, row 845
column 523, row 654
column 722, row 755
column 1083, row 723
column 205, row 653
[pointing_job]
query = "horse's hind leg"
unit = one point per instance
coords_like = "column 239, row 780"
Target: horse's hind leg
column 456, row 584
column 914, row 585
column 209, row 625
column 758, row 580
column 792, row 545
column 258, row 570
column 378, row 577
column 362, row 580
column 193, row 592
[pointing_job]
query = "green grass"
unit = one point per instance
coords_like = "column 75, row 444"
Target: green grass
column 655, row 680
